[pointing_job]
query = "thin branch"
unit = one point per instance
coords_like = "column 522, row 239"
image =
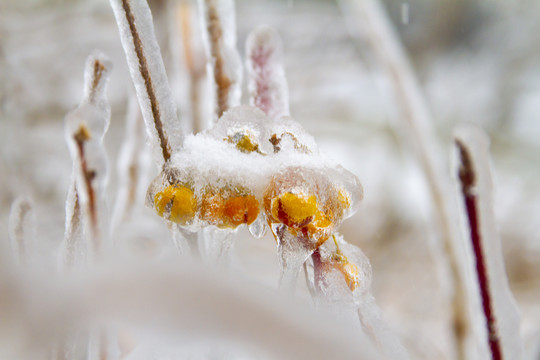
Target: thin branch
column 267, row 83
column 148, row 74
column 194, row 61
column 220, row 39
column 73, row 227
column 131, row 163
column 85, row 128
column 81, row 137
column 419, row 123
column 498, row 307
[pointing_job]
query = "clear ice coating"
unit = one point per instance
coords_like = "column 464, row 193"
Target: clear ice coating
column 228, row 175
column 267, row 84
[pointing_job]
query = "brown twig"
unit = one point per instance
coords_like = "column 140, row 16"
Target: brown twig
column 145, row 73
column 73, row 226
column 81, row 137
column 97, row 74
column 194, row 64
column 215, row 34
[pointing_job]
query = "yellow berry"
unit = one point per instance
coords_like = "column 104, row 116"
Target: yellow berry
column 295, row 210
column 182, row 202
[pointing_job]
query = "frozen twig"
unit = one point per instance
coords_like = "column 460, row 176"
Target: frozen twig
column 148, row 74
column 194, row 60
column 19, row 228
column 266, row 77
column 85, row 128
column 131, row 163
column 219, row 35
column 498, row 306
column 73, row 234
column 418, row 121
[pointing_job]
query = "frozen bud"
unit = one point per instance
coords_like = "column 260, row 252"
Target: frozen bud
column 288, row 135
column 340, row 257
column 246, row 127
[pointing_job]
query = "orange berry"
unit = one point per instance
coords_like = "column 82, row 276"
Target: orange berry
column 241, row 210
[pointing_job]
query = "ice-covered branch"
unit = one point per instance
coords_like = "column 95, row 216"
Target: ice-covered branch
column 219, row 35
column 419, row 125
column 266, row 77
column 498, row 306
column 73, row 245
column 85, row 128
column 19, row 228
column 132, row 163
column 194, row 61
column 148, row 74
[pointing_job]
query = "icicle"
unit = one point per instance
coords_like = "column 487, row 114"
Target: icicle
column 292, row 254
column 501, row 322
column 219, row 36
column 20, row 229
column 85, row 128
column 217, row 244
column 266, row 77
column 148, row 74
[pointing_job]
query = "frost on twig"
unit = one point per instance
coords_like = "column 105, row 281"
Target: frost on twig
column 418, row 124
column 497, row 305
column 148, row 74
column 266, row 77
column 20, row 224
column 132, row 164
column 85, row 128
column 73, row 245
column 193, row 62
column 219, row 36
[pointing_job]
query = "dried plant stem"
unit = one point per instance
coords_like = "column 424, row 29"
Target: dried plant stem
column 418, row 121
column 220, row 37
column 81, row 137
column 148, row 74
column 497, row 304
column 85, row 128
column 73, row 227
column 18, row 233
column 130, row 165
column 194, row 63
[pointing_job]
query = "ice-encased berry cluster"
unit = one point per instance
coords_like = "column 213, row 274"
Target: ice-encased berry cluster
column 249, row 167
